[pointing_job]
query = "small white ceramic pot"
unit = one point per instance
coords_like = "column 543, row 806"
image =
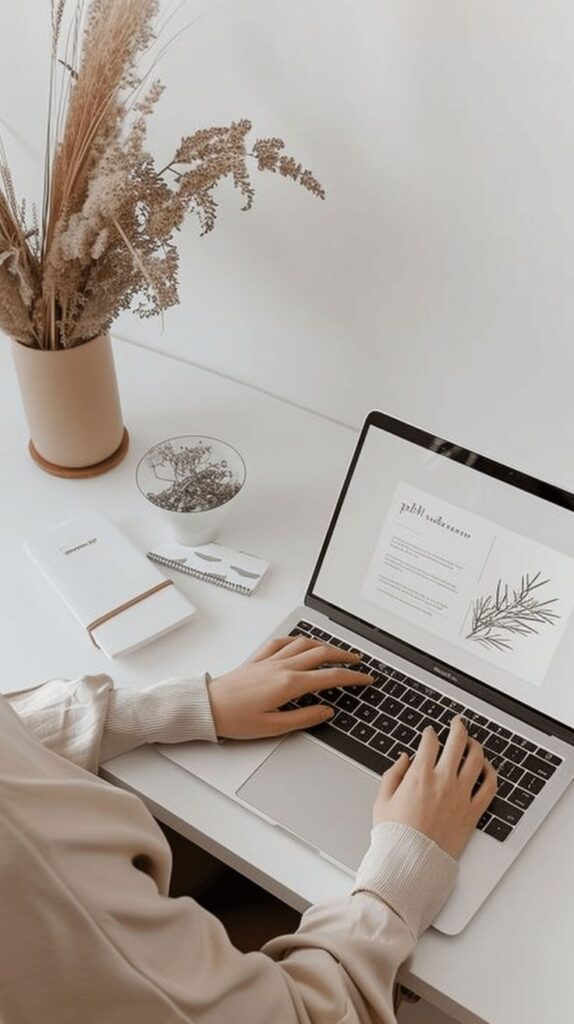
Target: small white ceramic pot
column 193, row 481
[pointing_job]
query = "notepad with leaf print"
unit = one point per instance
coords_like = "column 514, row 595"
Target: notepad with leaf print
column 214, row 563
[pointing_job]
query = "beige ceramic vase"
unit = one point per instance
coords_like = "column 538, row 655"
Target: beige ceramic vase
column 72, row 407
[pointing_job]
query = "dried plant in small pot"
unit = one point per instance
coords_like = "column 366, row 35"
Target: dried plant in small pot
column 193, row 481
column 104, row 240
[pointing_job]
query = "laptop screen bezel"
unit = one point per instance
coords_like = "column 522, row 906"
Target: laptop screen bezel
column 481, row 464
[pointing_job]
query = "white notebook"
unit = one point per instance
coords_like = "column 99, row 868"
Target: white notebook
column 101, row 575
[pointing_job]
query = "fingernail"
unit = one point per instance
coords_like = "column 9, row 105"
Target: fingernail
column 328, row 713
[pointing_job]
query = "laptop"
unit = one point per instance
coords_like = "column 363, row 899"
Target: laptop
column 453, row 576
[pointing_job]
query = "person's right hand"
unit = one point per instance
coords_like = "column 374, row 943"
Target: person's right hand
column 436, row 796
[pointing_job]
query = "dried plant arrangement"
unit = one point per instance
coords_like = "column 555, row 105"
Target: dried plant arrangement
column 499, row 617
column 104, row 239
column 195, row 480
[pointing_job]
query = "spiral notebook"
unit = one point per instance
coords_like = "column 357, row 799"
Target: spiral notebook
column 214, row 563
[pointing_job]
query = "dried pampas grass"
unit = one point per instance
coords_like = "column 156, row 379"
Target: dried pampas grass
column 104, row 241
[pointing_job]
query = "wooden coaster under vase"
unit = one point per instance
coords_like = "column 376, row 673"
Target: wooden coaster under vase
column 83, row 471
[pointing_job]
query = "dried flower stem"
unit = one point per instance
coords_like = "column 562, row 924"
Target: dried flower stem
column 106, row 236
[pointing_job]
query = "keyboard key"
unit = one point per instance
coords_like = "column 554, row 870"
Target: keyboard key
column 532, row 783
column 477, row 732
column 363, row 732
column 504, row 788
column 505, row 811
column 495, row 744
column 372, row 695
column 412, row 698
column 424, row 689
column 547, row 756
column 496, row 761
column 401, row 748
column 515, row 753
column 365, row 712
column 497, row 829
column 543, row 769
column 410, row 716
column 379, row 666
column 360, row 752
column 385, row 723
column 484, row 820
column 347, row 702
column 382, row 743
column 391, row 706
column 447, row 716
column 403, row 734
column 473, row 716
column 521, row 742
column 367, row 670
column 345, row 646
column 399, row 675
column 394, row 688
column 505, row 733
column 425, row 722
column 510, row 771
column 431, row 708
column 344, row 721
column 448, row 702
column 521, row 798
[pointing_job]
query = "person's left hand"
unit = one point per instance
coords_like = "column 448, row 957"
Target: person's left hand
column 245, row 702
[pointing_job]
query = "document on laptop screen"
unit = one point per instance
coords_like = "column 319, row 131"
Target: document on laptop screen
column 472, row 582
column 467, row 568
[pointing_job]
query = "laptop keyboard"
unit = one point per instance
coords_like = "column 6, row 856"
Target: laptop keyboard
column 374, row 724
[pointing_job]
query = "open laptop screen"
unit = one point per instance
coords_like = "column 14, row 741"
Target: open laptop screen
column 466, row 566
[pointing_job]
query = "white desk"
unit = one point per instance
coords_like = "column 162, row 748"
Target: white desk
column 512, row 965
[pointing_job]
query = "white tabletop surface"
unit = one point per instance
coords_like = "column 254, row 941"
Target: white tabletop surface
column 512, row 964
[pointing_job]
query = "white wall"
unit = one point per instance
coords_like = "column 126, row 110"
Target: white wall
column 437, row 280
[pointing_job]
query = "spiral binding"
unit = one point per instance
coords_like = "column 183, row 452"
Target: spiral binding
column 199, row 575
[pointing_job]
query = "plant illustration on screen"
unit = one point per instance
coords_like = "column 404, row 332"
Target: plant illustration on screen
column 499, row 618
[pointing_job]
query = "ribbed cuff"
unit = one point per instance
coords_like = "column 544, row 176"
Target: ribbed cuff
column 173, row 711
column 409, row 872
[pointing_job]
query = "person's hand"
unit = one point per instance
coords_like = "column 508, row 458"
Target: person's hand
column 245, row 702
column 436, row 796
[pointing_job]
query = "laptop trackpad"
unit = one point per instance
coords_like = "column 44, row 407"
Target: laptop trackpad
column 321, row 797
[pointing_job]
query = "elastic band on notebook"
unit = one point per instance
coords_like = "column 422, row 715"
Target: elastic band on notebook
column 122, row 608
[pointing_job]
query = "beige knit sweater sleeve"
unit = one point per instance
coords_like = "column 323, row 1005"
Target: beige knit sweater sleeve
column 120, row 949
column 88, row 722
